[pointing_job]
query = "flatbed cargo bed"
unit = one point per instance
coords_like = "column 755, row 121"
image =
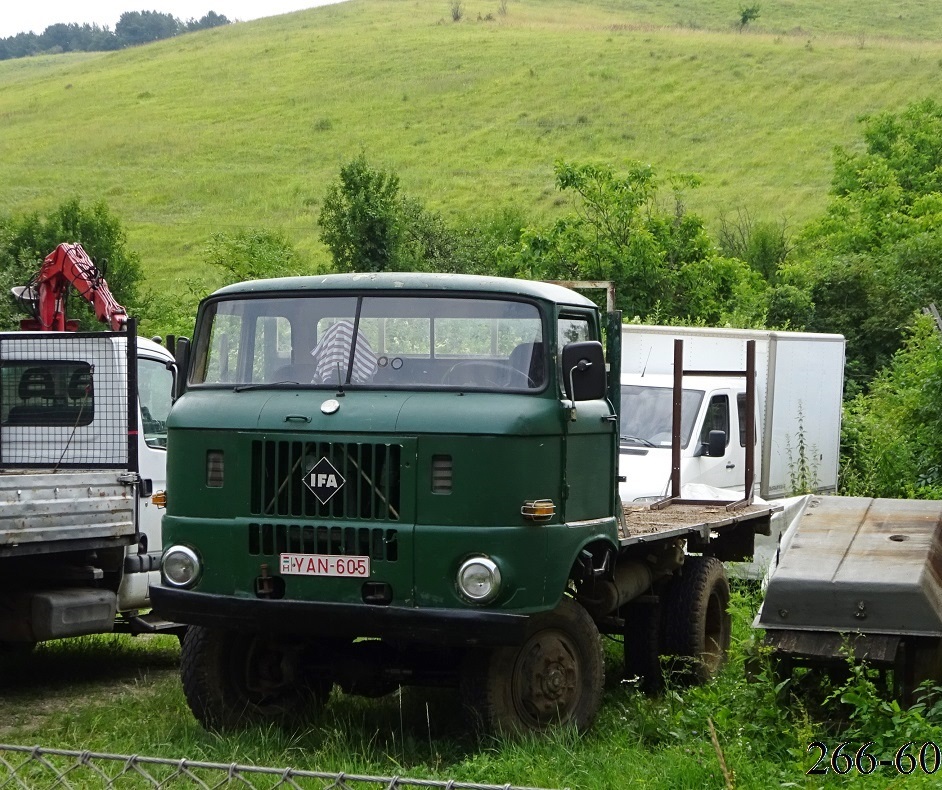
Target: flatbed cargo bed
column 645, row 524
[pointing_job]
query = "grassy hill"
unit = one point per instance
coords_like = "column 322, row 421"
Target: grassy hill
column 244, row 126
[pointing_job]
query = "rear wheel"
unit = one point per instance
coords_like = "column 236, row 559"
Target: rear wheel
column 555, row 677
column 696, row 627
column 233, row 679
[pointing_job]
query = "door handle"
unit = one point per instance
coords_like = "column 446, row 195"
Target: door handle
column 730, row 465
column 297, row 418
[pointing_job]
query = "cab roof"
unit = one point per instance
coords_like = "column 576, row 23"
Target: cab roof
column 411, row 282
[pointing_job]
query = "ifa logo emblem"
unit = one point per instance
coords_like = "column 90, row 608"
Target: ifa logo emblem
column 324, row 480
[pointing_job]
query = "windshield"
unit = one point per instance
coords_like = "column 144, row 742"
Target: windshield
column 372, row 341
column 647, row 415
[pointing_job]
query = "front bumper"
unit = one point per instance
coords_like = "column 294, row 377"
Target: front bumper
column 340, row 620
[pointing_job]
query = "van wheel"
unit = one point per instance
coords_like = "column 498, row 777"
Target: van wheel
column 697, row 626
column 233, row 680
column 554, row 677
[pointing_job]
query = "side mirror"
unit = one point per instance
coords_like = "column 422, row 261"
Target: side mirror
column 182, row 356
column 716, row 445
column 584, row 371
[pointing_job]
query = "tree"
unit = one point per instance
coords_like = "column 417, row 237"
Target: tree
column 19, row 46
column 368, row 224
column 212, row 19
column 59, row 37
column 143, row 27
column 872, row 260
column 134, row 27
column 763, row 245
column 605, row 237
column 663, row 263
column 360, row 220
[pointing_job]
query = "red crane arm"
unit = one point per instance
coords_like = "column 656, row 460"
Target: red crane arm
column 69, row 264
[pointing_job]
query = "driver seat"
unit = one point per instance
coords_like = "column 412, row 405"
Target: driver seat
column 530, row 360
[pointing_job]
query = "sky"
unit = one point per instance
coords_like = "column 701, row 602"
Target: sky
column 34, row 16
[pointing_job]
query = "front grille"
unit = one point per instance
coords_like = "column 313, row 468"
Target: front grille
column 271, row 540
column 371, row 487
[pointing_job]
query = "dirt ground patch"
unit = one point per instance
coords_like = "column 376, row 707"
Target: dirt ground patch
column 63, row 676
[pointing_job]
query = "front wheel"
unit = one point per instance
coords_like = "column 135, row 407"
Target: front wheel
column 555, row 677
column 233, row 679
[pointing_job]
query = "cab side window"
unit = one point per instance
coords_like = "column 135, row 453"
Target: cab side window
column 571, row 329
column 717, row 418
column 741, row 410
column 155, row 390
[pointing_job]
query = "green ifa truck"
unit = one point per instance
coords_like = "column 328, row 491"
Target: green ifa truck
column 380, row 480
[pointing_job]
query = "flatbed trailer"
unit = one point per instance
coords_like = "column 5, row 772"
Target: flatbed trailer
column 860, row 579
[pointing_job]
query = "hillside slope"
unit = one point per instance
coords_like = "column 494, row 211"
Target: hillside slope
column 244, row 126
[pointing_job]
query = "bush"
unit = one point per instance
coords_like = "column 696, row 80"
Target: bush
column 763, row 245
column 251, row 255
column 892, row 436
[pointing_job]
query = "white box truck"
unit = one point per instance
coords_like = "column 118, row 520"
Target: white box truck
column 799, row 392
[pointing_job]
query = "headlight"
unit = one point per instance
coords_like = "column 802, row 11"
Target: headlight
column 180, row 567
column 479, row 579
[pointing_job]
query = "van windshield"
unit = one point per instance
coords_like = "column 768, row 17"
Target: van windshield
column 371, row 342
column 647, row 415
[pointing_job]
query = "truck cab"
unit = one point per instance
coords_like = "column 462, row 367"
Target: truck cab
column 709, row 407
column 415, row 447
column 155, row 385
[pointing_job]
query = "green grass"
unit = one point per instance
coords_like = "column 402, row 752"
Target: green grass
column 122, row 696
column 244, row 126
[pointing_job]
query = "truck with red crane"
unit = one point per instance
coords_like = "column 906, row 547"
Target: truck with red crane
column 82, row 449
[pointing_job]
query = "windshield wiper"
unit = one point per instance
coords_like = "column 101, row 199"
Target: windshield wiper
column 268, row 385
column 637, row 440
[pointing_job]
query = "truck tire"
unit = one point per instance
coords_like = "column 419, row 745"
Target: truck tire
column 233, row 680
column 696, row 627
column 554, row 677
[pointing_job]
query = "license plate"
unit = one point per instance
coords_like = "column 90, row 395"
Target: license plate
column 325, row 565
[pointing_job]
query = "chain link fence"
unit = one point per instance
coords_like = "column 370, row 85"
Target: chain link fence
column 35, row 767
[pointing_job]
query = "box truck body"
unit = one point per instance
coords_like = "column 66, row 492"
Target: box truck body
column 799, row 391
